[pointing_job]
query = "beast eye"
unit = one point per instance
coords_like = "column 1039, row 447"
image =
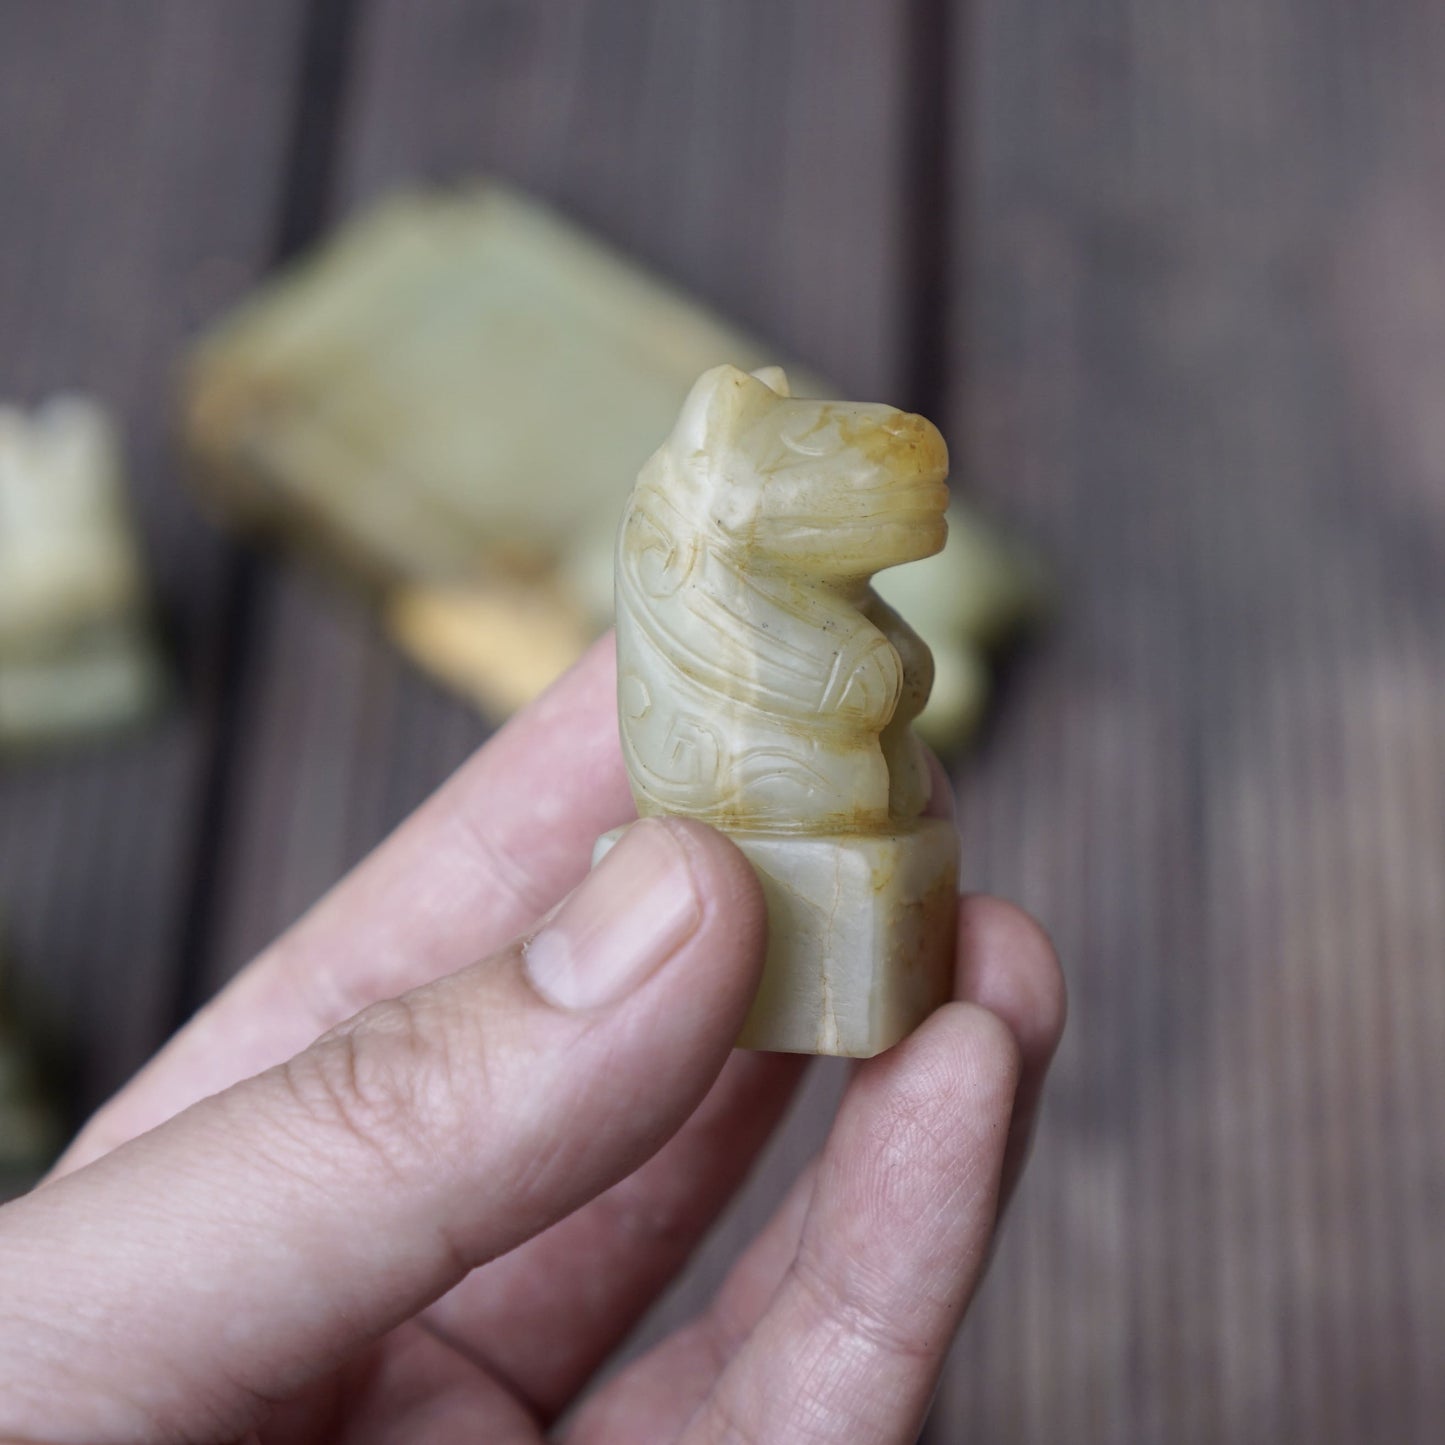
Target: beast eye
column 782, row 453
column 802, row 435
column 808, row 435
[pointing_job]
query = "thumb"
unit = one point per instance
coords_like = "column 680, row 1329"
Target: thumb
column 257, row 1239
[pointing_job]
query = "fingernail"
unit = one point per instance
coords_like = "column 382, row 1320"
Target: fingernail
column 627, row 918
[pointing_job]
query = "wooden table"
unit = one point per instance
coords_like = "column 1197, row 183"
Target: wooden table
column 1172, row 276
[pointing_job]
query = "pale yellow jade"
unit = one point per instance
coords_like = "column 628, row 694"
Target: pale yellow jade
column 76, row 651
column 766, row 689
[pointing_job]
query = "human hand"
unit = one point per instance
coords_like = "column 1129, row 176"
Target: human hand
column 435, row 1221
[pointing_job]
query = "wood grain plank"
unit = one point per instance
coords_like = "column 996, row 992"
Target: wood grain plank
column 753, row 155
column 1205, row 352
column 139, row 174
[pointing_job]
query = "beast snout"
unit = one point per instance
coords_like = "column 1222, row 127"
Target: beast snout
column 910, row 459
column 914, row 447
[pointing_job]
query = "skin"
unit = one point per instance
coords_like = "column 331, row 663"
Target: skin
column 435, row 1221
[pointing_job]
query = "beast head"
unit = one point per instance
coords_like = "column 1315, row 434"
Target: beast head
column 829, row 489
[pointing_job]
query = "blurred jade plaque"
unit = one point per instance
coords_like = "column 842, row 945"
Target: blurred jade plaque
column 449, row 404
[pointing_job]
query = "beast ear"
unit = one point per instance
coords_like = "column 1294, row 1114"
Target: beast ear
column 715, row 406
column 774, row 377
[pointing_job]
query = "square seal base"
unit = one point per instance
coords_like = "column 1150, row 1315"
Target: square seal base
column 861, row 932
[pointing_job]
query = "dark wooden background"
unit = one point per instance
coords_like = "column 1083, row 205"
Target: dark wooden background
column 1172, row 277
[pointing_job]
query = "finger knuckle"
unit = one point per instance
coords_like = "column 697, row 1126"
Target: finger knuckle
column 385, row 1082
column 868, row 1316
column 517, row 887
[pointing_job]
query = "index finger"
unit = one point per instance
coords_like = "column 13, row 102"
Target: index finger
column 478, row 862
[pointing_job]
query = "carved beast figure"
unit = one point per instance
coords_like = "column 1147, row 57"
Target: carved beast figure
column 762, row 683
